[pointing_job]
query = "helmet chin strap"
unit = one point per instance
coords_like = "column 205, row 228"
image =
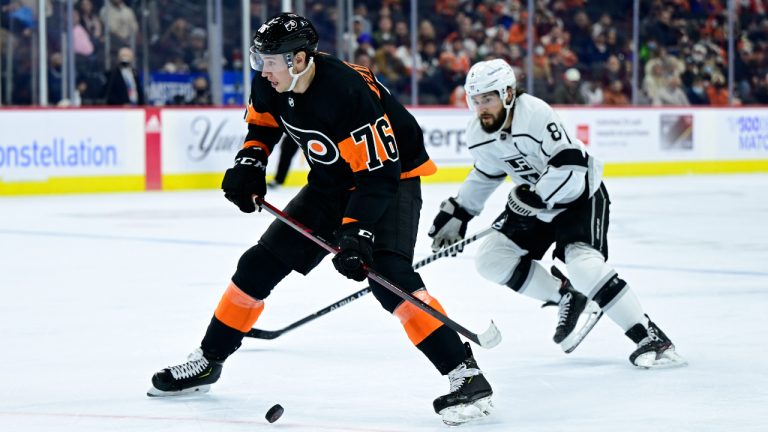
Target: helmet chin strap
column 296, row 76
column 506, row 117
column 507, row 108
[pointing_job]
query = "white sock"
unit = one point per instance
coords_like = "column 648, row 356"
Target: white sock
column 588, row 273
column 541, row 284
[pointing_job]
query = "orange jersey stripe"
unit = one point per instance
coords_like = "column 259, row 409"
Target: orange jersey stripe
column 260, row 119
column 356, row 154
column 259, row 144
column 237, row 309
column 356, row 157
column 426, row 169
column 347, row 220
column 417, row 323
column 367, row 76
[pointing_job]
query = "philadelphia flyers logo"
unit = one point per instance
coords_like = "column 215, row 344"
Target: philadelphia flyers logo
column 318, row 147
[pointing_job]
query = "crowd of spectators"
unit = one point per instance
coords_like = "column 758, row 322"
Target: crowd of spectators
column 582, row 50
column 104, row 34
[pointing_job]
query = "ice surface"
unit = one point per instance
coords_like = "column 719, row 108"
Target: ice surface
column 99, row 291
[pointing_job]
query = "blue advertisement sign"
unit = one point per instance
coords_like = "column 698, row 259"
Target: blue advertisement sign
column 176, row 88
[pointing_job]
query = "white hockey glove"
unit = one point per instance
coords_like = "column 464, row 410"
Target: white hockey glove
column 450, row 225
column 523, row 205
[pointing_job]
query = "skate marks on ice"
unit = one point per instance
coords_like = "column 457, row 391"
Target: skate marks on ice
column 85, row 307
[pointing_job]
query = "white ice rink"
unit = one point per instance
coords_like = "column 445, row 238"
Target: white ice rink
column 97, row 292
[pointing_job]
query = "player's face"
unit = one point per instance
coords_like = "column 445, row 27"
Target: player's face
column 275, row 69
column 489, row 110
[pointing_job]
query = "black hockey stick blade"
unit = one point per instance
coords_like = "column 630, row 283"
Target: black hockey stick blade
column 490, row 339
column 272, row 334
column 451, row 250
column 264, row 334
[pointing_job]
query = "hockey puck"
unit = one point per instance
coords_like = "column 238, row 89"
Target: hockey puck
column 274, row 413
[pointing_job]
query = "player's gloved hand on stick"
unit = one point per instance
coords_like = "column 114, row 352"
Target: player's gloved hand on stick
column 450, row 225
column 246, row 179
column 523, row 204
column 356, row 251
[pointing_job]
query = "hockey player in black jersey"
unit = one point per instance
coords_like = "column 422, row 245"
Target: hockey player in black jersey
column 366, row 157
column 559, row 198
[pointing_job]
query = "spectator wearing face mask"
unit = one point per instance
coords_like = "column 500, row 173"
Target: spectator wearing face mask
column 202, row 95
column 123, row 86
column 696, row 93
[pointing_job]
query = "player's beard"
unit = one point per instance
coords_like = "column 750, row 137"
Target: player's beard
column 498, row 121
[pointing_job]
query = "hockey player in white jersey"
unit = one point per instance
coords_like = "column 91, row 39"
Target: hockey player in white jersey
column 559, row 198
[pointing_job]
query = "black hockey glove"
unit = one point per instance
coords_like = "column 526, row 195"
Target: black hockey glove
column 356, row 250
column 246, row 178
column 450, row 225
column 523, row 205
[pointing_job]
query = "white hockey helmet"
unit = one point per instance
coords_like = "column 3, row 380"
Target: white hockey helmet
column 492, row 75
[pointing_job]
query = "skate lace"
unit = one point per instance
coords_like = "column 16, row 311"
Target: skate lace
column 653, row 336
column 652, row 333
column 565, row 308
column 459, row 374
column 195, row 364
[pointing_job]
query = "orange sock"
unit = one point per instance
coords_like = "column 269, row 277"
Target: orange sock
column 417, row 323
column 237, row 309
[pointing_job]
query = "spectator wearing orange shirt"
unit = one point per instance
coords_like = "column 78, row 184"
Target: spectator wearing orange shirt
column 717, row 92
column 614, row 94
column 554, row 41
column 518, row 31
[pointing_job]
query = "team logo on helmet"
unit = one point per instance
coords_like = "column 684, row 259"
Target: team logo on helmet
column 291, row 25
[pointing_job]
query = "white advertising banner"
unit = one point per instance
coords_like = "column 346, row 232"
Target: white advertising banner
column 201, row 140
column 638, row 134
column 36, row 145
column 614, row 135
column 741, row 134
column 205, row 141
column 444, row 134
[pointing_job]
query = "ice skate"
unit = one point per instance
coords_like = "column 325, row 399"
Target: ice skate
column 196, row 375
column 470, row 394
column 655, row 350
column 577, row 315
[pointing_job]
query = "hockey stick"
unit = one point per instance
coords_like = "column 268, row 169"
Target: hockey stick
column 488, row 339
column 450, row 250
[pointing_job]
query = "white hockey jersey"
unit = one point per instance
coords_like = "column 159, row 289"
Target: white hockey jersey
column 537, row 151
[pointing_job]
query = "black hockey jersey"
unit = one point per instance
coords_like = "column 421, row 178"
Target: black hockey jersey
column 353, row 133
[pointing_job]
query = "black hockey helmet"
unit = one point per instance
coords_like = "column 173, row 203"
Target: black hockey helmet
column 285, row 34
